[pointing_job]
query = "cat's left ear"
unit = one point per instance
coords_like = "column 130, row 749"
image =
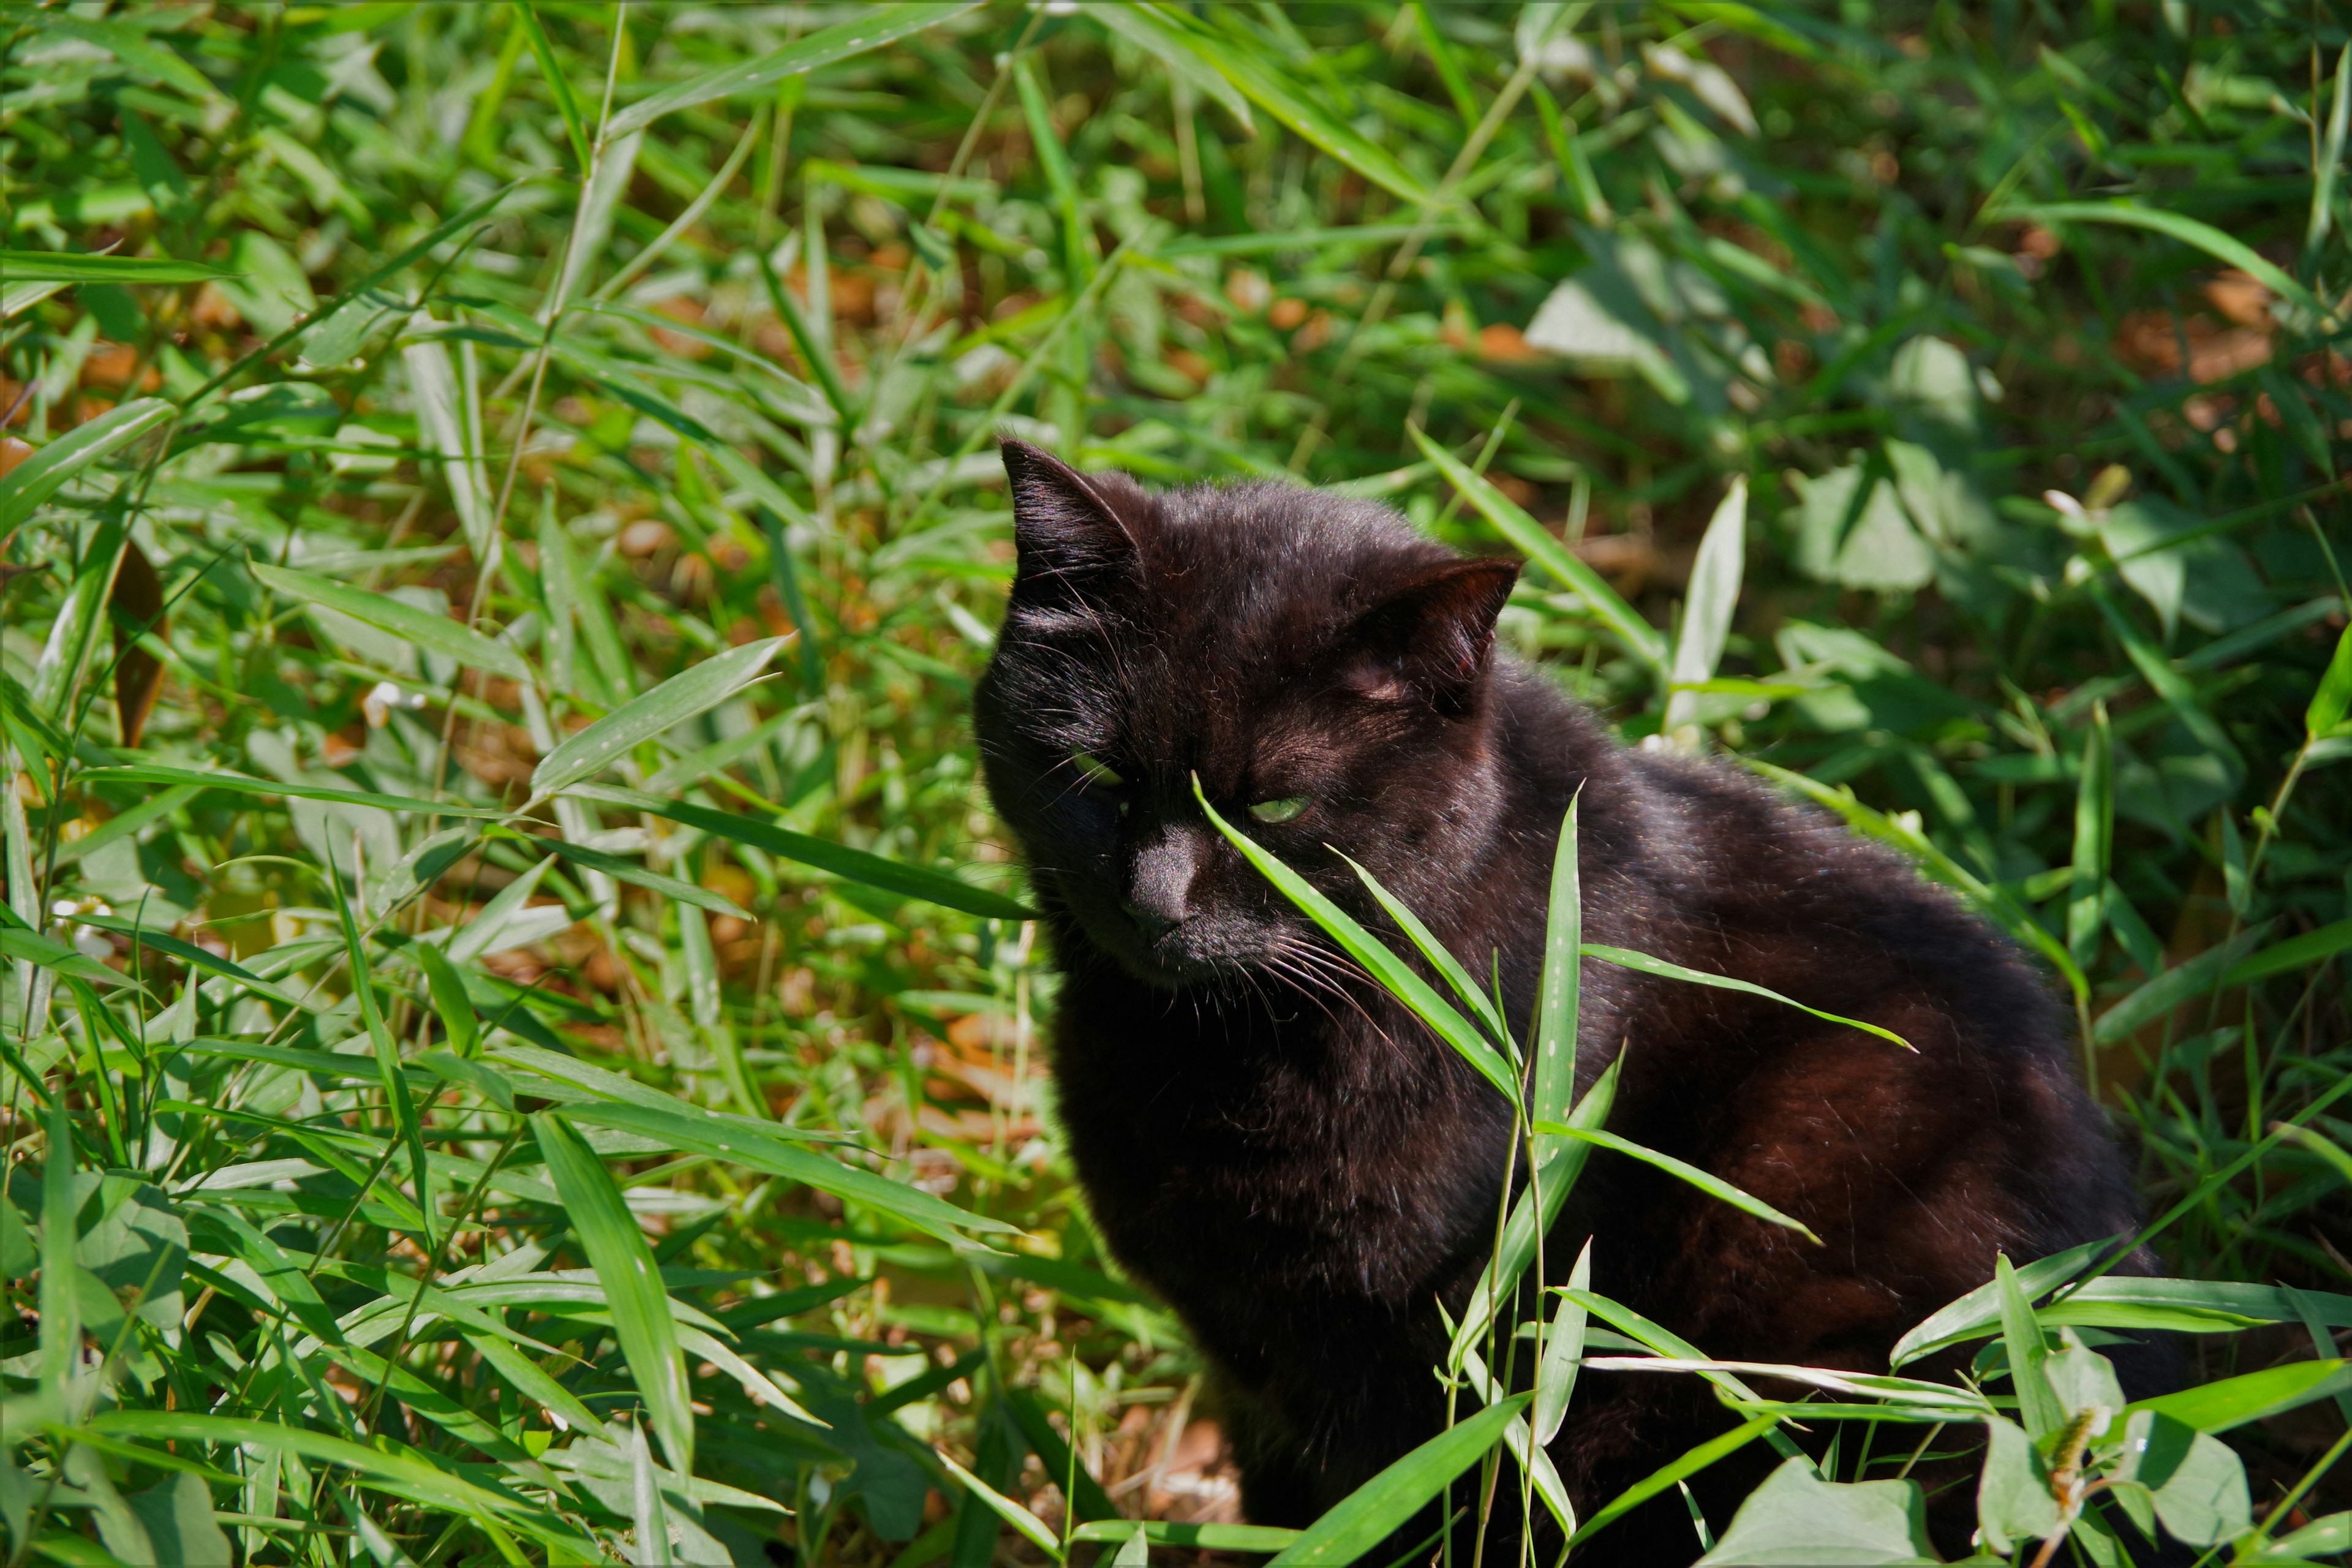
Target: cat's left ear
column 1070, row 531
column 1429, row 640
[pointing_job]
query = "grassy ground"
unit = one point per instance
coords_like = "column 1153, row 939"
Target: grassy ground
column 456, row 375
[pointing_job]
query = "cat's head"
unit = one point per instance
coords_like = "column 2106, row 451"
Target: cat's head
column 1322, row 668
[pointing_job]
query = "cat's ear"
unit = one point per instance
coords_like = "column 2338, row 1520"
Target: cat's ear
column 1429, row 641
column 1069, row 527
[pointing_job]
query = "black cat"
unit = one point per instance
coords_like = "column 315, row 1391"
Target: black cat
column 1302, row 1170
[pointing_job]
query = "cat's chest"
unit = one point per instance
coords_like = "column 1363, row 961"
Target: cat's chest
column 1320, row 1156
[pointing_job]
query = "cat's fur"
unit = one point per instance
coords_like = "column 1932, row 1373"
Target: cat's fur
column 1303, row 1171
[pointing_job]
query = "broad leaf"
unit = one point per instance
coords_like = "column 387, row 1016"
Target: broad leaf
column 1797, row 1518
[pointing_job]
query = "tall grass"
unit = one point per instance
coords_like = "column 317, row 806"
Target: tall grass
column 521, row 1040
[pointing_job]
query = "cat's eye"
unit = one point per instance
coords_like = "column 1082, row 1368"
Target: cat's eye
column 1095, row 773
column 1283, row 810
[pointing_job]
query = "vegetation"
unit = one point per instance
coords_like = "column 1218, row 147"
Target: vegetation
column 521, row 1037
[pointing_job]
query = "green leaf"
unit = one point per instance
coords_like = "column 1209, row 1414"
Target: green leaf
column 2188, row 230
column 1797, row 1518
column 2181, row 983
column 40, row 476
column 2326, row 1537
column 2124, row 1302
column 180, row 1523
column 2334, row 698
column 134, row 47
column 743, row 1141
column 629, row 1106
column 2037, row 1402
column 2255, row 1396
column 1203, row 1537
column 681, row 697
column 390, row 1463
column 1382, row 1505
column 1143, row 29
column 853, row 865
column 2014, row 1503
column 1676, row 1469
column 624, row 1266
column 1271, row 90
column 1384, row 966
column 559, row 86
column 877, row 26
column 2095, row 832
column 186, row 952
column 1707, row 608
column 1627, row 959
column 621, row 869
column 66, row 267
column 449, row 998
column 387, row 1056
column 1536, row 542
column 433, row 633
column 1553, row 1089
column 32, row 947
column 1714, row 1186
column 1481, row 1005
column 2312, row 947
column 1031, row 1528
column 1563, row 1160
column 1563, row 1351
column 2196, row 1482
column 154, row 772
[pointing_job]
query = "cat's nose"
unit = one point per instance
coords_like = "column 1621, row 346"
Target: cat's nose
column 1153, row 922
column 1159, row 884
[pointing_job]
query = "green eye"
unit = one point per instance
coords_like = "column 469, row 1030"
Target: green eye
column 1095, row 772
column 1282, row 810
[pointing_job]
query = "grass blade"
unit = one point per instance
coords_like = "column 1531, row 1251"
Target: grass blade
column 1563, row 1352
column 624, row 1266
column 1031, row 1529
column 1682, row 1469
column 1538, row 545
column 2094, row 833
column 559, row 86
column 682, row 697
column 239, row 784
column 40, row 476
column 1384, row 966
column 435, row 634
column 1707, row 608
column 2255, row 1396
column 1625, row 958
column 1273, row 92
column 1386, row 1501
column 1714, row 1186
column 1553, row 1090
column 854, row 865
column 1473, row 996
column 2188, row 230
column 878, row 26
column 62, row 267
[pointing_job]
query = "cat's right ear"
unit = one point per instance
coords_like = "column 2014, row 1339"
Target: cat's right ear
column 1070, row 533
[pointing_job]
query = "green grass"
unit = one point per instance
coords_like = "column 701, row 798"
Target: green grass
column 454, row 376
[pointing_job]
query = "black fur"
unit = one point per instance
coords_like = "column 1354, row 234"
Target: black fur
column 1303, row 1171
